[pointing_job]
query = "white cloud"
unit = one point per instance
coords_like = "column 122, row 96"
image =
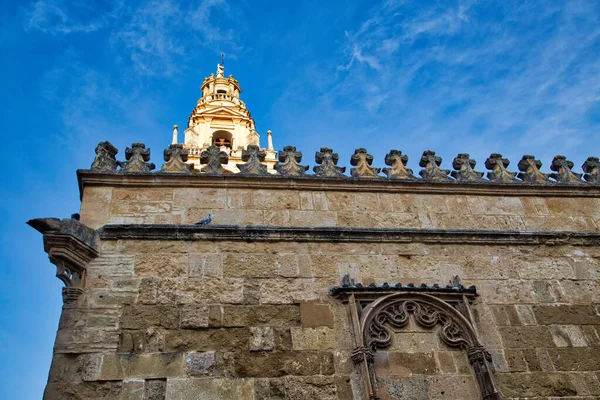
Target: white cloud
column 60, row 17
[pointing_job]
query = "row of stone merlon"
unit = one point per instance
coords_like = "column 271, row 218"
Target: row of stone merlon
column 213, row 159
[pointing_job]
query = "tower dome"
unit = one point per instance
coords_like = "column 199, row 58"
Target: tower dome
column 221, row 118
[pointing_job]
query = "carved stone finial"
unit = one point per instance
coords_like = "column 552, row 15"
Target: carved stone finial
column 431, row 164
column 464, row 164
column 362, row 161
column 213, row 157
column 530, row 170
column 591, row 167
column 70, row 246
column 253, row 156
column 291, row 162
column 397, row 161
column 562, row 170
column 137, row 159
column 327, row 160
column 105, row 160
column 498, row 165
column 175, row 157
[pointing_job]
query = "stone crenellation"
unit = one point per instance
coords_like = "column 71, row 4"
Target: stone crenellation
column 289, row 158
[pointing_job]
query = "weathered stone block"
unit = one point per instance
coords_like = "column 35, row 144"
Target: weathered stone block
column 518, row 337
column 567, row 336
column 200, row 364
column 209, row 290
column 194, row 316
column 280, row 363
column 206, row 265
column 262, row 338
column 155, row 389
column 405, row 364
column 535, row 384
column 273, row 315
column 213, row 389
column 249, row 265
column 574, row 359
column 142, row 316
column 207, row 339
column 148, row 366
column 161, row 264
column 566, row 315
column 314, row 314
column 320, row 338
column 310, row 387
column 133, row 389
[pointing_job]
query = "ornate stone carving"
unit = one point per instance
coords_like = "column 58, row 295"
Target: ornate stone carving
column 137, row 159
column 253, row 156
column 397, row 161
column 105, row 160
column 481, row 362
column 214, row 159
column 530, row 170
column 362, row 161
column 175, row 158
column 591, row 167
column 392, row 312
column 464, row 164
column 291, row 162
column 498, row 165
column 562, row 170
column 70, row 246
column 361, row 354
column 431, row 164
column 327, row 160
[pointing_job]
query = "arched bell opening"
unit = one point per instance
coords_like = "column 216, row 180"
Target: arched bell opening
column 223, row 140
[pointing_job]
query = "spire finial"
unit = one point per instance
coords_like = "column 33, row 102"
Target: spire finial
column 221, row 67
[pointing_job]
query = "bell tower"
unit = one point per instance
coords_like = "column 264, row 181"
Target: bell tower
column 221, row 118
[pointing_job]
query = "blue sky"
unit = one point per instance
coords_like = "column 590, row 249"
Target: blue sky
column 514, row 77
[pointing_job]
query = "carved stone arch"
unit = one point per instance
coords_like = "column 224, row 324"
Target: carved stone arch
column 387, row 314
column 393, row 311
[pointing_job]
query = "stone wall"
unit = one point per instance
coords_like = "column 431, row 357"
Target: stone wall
column 175, row 312
column 278, row 201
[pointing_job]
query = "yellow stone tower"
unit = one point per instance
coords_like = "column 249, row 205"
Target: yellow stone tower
column 220, row 118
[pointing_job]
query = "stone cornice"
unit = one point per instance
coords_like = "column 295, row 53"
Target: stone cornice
column 352, row 184
column 341, row 234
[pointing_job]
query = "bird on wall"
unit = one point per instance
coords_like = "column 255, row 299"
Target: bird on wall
column 205, row 221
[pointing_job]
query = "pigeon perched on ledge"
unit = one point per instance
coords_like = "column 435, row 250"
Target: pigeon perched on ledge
column 205, row 221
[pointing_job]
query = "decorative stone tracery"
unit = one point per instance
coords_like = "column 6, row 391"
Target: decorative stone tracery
column 530, row 170
column 214, row 159
column 290, row 159
column 431, row 164
column 253, row 156
column 105, row 160
column 497, row 164
column 137, row 159
column 175, row 158
column 328, row 160
column 464, row 166
column 362, row 161
column 562, row 170
column 375, row 324
column 397, row 161
column 591, row 167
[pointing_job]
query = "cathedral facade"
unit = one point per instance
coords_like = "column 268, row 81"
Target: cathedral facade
column 235, row 273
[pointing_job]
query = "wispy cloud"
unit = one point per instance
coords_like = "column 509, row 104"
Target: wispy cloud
column 513, row 77
column 59, row 17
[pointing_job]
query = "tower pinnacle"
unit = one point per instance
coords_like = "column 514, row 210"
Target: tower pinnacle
column 221, row 118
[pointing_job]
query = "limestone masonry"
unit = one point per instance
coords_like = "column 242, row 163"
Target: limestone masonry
column 377, row 284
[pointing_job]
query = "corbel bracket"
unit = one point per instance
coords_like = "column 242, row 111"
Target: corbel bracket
column 70, row 246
